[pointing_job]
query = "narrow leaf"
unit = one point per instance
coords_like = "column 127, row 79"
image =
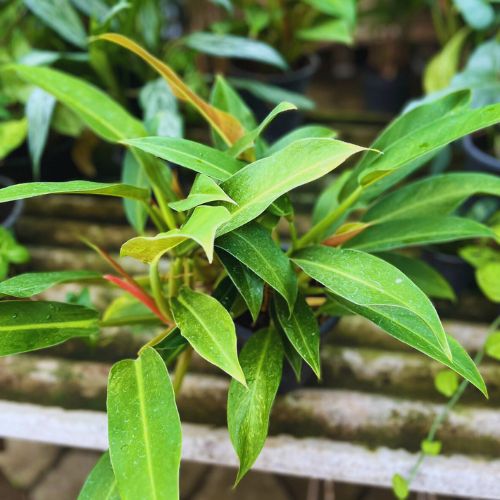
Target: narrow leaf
column 32, row 189
column 328, row 31
column 101, row 483
column 440, row 194
column 250, row 286
column 27, row 326
column 417, row 231
column 29, row 284
column 305, row 132
column 248, row 409
column 189, row 154
column 373, row 288
column 258, row 184
column 200, row 227
column 301, row 328
column 254, row 247
column 209, row 328
column 204, row 190
column 226, row 125
column 144, row 428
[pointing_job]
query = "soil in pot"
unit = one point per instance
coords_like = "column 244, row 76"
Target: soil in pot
column 296, row 80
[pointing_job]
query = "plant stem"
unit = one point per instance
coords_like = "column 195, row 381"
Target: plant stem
column 181, row 368
column 318, row 230
column 157, row 339
column 175, row 275
column 154, row 217
column 157, row 289
column 166, row 212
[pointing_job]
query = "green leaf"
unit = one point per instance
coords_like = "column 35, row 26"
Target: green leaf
column 440, row 194
column 345, row 9
column 328, row 31
column 29, row 284
column 443, row 66
column 248, row 409
column 209, row 328
column 144, row 428
column 301, row 329
column 488, row 279
column 305, row 132
column 27, row 326
column 127, row 309
column 101, row 482
column 32, row 189
column 134, row 175
column 258, row 184
column 12, row 135
column 373, row 288
column 189, row 154
column 417, row 231
column 204, row 190
column 478, row 14
column 400, row 487
column 250, row 286
column 39, row 109
column 273, row 94
column 431, row 448
column 248, row 140
column 254, row 247
column 61, row 17
column 424, row 276
column 446, row 382
column 492, row 346
column 479, row 256
column 236, row 47
column 200, row 227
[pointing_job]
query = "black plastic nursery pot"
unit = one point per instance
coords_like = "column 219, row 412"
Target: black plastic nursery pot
column 476, row 158
column 9, row 212
column 296, row 80
column 385, row 95
column 289, row 381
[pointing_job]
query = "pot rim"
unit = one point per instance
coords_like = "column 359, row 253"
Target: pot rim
column 479, row 155
column 16, row 208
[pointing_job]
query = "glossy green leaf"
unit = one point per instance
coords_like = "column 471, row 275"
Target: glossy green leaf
column 200, row 227
column 12, row 135
column 345, row 9
column 400, row 487
column 479, row 14
column 443, row 66
column 39, row 109
column 492, row 346
column 373, row 288
column 250, row 286
column 101, row 482
column 32, row 189
column 478, row 256
column 189, row 154
column 431, row 448
column 446, row 382
column 248, row 408
column 29, row 284
column 488, row 279
column 417, row 231
column 254, row 247
column 258, row 184
column 301, row 329
column 61, row 17
column 204, row 190
column 248, row 140
column 144, row 428
column 27, row 326
column 236, row 47
column 304, row 132
column 273, row 94
column 424, row 276
column 328, row 31
column 209, row 328
column 440, row 194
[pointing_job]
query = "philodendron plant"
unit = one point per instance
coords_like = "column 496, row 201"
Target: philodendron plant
column 227, row 263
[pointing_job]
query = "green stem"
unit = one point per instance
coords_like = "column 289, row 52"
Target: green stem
column 157, row 339
column 166, row 211
column 174, row 278
column 319, row 229
column 154, row 217
column 157, row 289
column 181, row 368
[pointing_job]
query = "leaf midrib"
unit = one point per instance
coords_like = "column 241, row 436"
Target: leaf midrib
column 49, row 326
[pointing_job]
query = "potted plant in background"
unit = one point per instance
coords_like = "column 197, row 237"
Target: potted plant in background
column 226, row 259
column 273, row 49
